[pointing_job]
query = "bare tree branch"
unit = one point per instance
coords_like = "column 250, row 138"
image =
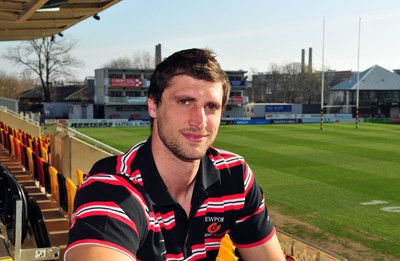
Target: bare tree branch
column 49, row 60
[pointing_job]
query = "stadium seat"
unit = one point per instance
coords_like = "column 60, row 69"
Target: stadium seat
column 226, row 250
column 79, row 176
column 37, row 223
column 40, row 170
column 47, row 181
column 71, row 191
column 44, row 154
column 31, row 168
column 12, row 145
column 14, row 192
column 54, row 183
column 3, row 191
column 24, row 150
column 62, row 191
column 18, row 150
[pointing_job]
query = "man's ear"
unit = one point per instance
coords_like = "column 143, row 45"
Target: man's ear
column 152, row 108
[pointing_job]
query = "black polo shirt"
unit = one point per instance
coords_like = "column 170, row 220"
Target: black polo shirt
column 124, row 204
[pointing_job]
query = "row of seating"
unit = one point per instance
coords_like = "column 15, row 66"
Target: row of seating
column 39, row 145
column 16, row 205
column 49, row 181
column 36, row 161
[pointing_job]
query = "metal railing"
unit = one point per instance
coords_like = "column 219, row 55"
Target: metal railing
column 89, row 140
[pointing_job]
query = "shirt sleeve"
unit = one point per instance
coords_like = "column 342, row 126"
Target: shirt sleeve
column 108, row 212
column 253, row 226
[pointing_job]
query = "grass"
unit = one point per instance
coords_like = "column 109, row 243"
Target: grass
column 318, row 176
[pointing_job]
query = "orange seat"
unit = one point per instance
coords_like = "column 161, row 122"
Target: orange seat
column 227, row 250
column 31, row 166
column 54, row 183
column 79, row 176
column 12, row 145
column 71, row 191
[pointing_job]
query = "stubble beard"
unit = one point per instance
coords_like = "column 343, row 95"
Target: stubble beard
column 182, row 151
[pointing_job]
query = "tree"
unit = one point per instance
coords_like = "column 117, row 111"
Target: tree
column 143, row 60
column 311, row 90
column 286, row 83
column 11, row 86
column 122, row 62
column 140, row 60
column 48, row 58
column 291, row 82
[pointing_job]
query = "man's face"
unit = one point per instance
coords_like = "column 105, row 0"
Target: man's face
column 187, row 119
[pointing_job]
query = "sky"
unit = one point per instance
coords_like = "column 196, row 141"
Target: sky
column 246, row 35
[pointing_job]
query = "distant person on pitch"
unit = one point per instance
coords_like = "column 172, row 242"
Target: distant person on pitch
column 174, row 196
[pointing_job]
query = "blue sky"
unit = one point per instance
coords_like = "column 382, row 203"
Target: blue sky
column 248, row 35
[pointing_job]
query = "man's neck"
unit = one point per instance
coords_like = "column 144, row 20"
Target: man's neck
column 178, row 175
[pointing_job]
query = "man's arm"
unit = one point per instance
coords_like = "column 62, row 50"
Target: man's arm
column 268, row 251
column 96, row 253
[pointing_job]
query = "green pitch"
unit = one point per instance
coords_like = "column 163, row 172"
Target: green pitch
column 342, row 179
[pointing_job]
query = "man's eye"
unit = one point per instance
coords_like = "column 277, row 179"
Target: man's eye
column 184, row 101
column 212, row 107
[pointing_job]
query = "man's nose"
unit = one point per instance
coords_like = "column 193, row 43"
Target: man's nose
column 198, row 117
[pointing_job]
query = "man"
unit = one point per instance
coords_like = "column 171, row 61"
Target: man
column 174, row 196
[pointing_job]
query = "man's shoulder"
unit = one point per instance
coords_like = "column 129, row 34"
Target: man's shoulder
column 223, row 153
column 104, row 165
column 224, row 158
column 217, row 153
column 119, row 164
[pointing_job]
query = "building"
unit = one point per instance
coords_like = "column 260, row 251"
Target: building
column 379, row 93
column 121, row 93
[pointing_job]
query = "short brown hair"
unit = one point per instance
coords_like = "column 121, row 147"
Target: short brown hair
column 197, row 63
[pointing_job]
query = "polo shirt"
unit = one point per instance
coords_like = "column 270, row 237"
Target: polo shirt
column 124, row 204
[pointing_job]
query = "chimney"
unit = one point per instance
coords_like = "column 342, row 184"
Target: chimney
column 302, row 60
column 310, row 60
column 158, row 54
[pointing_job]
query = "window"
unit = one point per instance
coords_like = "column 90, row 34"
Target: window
column 115, row 75
column 132, row 108
column 115, row 93
column 235, row 78
column 133, row 94
column 133, row 76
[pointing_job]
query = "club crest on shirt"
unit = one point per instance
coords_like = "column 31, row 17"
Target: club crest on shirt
column 213, row 226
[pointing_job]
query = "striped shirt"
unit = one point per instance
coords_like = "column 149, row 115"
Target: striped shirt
column 124, row 204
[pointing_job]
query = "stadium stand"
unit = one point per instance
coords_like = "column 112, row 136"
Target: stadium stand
column 20, row 212
column 25, row 193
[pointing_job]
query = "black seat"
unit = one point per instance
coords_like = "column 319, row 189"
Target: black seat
column 3, row 191
column 38, row 224
column 47, row 183
column 62, row 190
column 14, row 192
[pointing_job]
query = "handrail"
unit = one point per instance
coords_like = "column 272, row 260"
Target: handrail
column 20, row 115
column 73, row 133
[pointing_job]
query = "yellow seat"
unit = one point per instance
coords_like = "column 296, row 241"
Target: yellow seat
column 71, row 191
column 18, row 150
column 31, row 167
column 12, row 146
column 54, row 183
column 79, row 176
column 44, row 153
column 227, row 250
